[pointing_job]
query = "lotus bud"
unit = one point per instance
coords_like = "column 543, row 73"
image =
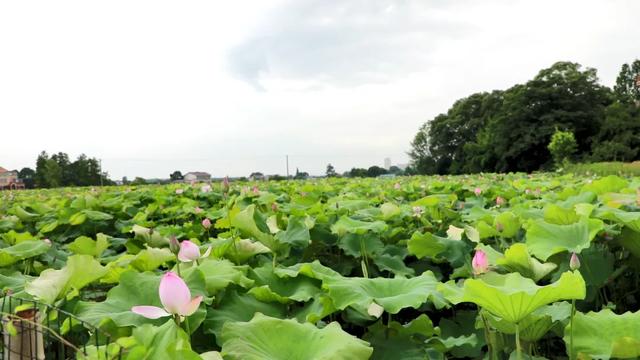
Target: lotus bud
column 397, row 186
column 274, row 207
column 179, row 191
column 477, row 191
column 574, row 263
column 225, row 183
column 480, row 263
column 174, row 245
column 198, row 210
column 256, row 190
column 47, row 241
column 206, row 223
column 500, row 201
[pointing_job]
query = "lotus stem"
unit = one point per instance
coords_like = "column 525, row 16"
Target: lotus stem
column 178, row 267
column 518, row 347
column 573, row 312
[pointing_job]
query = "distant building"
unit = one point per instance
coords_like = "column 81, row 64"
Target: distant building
column 10, row 180
column 197, row 176
column 387, row 163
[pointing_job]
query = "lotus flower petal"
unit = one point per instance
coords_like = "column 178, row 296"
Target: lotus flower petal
column 150, row 312
column 188, row 251
column 207, row 252
column 174, row 293
column 191, row 307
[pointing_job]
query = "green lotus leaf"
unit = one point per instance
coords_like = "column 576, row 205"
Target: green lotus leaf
column 85, row 245
column 79, row 271
column 627, row 218
column 315, row 310
column 268, row 338
column 12, row 237
column 354, row 244
column 166, row 342
column 149, row 236
column 235, row 307
column 392, row 264
column 438, row 248
column 630, row 239
column 462, row 326
column 545, row 239
column 97, row 215
column 22, row 250
column 517, row 258
column 513, row 297
column 347, row 225
column 397, row 341
column 238, row 250
column 537, row 324
column 314, row 270
column 297, row 233
column 247, row 222
column 607, row 184
column 508, row 222
column 270, row 287
column 218, row 274
column 605, row 335
column 555, row 214
column 136, row 289
column 151, row 258
column 392, row 294
column 23, row 214
column 389, row 210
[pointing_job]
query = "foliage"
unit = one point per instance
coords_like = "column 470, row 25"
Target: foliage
column 336, row 267
column 562, row 147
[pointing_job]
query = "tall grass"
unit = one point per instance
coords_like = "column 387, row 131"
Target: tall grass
column 606, row 168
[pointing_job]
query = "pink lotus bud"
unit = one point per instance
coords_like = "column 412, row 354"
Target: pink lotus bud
column 480, row 263
column 206, row 188
column 274, row 207
column 500, row 201
column 527, row 191
column 179, row 191
column 225, row 183
column 197, row 210
column 397, row 186
column 256, row 190
column 574, row 262
column 477, row 191
column 206, row 223
column 47, row 241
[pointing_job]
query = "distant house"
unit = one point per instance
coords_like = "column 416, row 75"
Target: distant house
column 197, row 176
column 10, row 180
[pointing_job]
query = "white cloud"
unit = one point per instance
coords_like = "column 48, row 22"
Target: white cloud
column 153, row 86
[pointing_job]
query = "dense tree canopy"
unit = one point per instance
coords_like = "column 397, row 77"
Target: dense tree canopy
column 510, row 130
column 57, row 170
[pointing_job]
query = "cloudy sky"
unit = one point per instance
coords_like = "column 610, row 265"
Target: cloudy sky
column 232, row 87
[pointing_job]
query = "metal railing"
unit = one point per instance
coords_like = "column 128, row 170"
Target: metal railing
column 32, row 330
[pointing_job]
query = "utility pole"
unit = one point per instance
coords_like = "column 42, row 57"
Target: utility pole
column 287, row 167
column 100, row 172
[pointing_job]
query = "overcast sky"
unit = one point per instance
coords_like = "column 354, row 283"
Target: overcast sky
column 230, row 87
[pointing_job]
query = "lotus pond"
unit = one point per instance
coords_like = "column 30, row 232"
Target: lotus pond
column 484, row 267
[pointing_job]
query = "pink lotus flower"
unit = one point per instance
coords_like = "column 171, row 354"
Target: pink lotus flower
column 256, row 190
column 47, row 241
column 206, row 188
column 179, row 191
column 191, row 252
column 397, row 186
column 574, row 262
column 500, row 201
column 175, row 298
column 480, row 263
column 206, row 223
column 198, row 210
column 274, row 207
column 477, row 191
column 417, row 211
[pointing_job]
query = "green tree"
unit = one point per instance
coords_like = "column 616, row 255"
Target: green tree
column 176, row 175
column 627, row 87
column 357, row 172
column 138, row 181
column 53, row 173
column 41, row 176
column 562, row 147
column 375, row 171
column 28, row 176
column 331, row 171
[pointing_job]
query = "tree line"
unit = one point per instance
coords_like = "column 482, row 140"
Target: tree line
column 58, row 170
column 510, row 130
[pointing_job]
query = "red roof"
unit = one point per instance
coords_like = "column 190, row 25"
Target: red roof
column 3, row 170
